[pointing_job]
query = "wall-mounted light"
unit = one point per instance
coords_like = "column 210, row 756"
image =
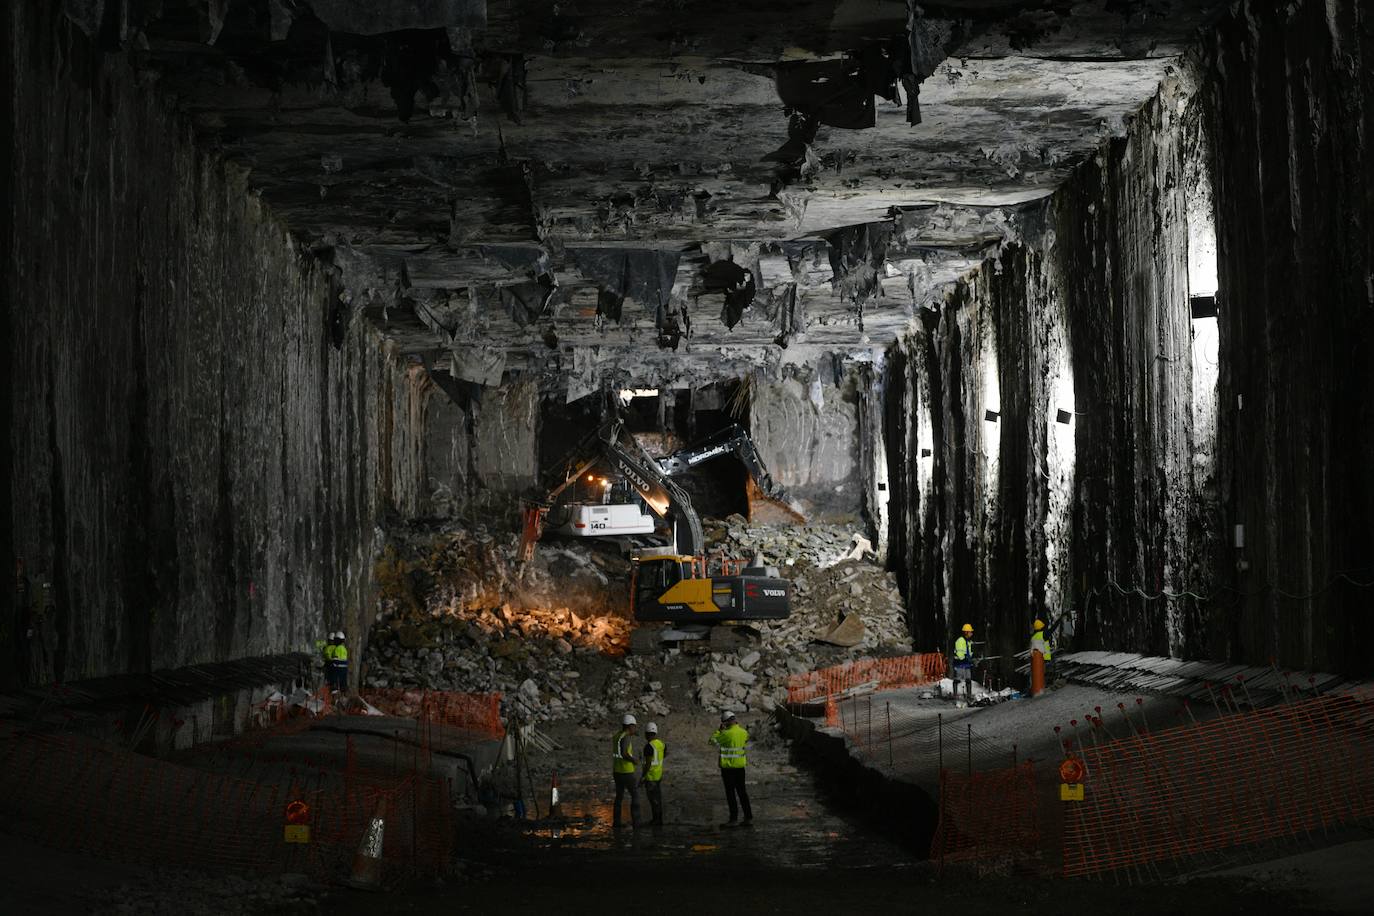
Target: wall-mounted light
column 991, row 416
column 1063, row 416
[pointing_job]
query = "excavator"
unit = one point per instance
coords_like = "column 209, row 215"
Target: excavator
column 677, row 584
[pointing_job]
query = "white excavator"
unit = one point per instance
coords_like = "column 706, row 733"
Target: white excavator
column 677, row 583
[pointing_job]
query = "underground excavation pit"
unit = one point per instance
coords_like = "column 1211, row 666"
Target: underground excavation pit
column 400, row 394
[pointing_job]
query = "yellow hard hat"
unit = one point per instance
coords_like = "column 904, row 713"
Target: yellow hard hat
column 1040, row 624
column 968, row 628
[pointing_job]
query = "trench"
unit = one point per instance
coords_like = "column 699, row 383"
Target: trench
column 899, row 812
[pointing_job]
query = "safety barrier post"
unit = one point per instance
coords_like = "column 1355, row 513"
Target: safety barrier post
column 889, row 734
column 868, row 748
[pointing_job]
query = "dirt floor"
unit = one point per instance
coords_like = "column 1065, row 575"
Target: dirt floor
column 806, row 852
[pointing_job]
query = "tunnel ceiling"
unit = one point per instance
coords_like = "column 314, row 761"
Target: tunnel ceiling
column 553, row 186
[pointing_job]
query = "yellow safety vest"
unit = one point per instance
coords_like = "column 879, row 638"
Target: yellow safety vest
column 341, row 653
column 328, row 651
column 655, row 755
column 622, row 762
column 1040, row 644
column 731, row 742
column 963, row 650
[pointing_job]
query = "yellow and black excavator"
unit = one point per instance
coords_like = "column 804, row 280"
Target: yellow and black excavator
column 676, row 584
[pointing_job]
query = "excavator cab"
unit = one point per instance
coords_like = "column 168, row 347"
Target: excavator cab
column 674, row 588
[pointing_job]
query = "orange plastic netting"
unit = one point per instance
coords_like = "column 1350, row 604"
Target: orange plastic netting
column 875, row 673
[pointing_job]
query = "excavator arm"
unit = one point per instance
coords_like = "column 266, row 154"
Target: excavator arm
column 608, row 444
column 733, row 439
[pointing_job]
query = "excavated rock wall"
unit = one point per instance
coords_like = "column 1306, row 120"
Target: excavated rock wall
column 807, row 432
column 1290, row 104
column 197, row 459
column 1132, row 520
column 1004, row 516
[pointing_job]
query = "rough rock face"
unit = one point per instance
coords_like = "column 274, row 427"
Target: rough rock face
column 1125, row 516
column 1291, row 116
column 807, row 435
column 202, row 441
column 1009, row 513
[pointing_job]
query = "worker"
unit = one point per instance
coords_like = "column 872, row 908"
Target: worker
column 326, row 649
column 623, row 771
column 730, row 739
column 652, row 778
column 1039, row 642
column 963, row 661
column 336, row 662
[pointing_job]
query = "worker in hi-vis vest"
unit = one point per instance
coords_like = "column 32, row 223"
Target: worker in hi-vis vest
column 336, row 662
column 652, row 777
column 1039, row 642
column 623, row 771
column 731, row 740
column 963, row 661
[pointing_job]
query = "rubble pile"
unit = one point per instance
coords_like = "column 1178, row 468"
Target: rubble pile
column 532, row 656
column 833, row 578
column 428, row 573
column 819, row 546
column 457, row 613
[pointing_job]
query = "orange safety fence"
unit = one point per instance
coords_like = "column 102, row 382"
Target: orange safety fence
column 479, row 713
column 104, row 800
column 870, row 673
column 1156, row 801
column 987, row 816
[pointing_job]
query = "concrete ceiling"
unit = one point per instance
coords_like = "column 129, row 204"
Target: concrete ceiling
column 445, row 153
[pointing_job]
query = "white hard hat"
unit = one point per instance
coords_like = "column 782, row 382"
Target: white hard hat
column 726, row 715
column 339, row 635
column 628, row 720
column 651, row 728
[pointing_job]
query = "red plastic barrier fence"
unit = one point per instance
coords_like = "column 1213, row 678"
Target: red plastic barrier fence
column 475, row 712
column 1159, row 800
column 872, row 673
column 987, row 816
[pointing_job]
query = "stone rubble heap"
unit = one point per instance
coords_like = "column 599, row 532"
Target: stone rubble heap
column 826, row 587
column 458, row 614
column 534, row 657
column 455, row 614
column 784, row 546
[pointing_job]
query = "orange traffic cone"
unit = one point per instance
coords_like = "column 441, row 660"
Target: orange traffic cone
column 367, row 864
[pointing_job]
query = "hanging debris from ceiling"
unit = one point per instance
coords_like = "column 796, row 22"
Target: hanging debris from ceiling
column 738, row 286
column 857, row 254
column 672, row 322
column 644, row 275
column 481, row 365
column 929, row 41
column 525, row 302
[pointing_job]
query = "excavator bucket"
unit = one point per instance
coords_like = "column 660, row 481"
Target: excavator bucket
column 767, row 510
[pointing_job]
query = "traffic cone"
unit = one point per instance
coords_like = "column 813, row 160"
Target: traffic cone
column 367, row 864
column 555, row 809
